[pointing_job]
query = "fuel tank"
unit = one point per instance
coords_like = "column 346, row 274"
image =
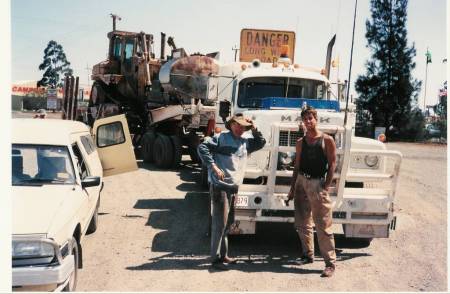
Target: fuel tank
column 188, row 77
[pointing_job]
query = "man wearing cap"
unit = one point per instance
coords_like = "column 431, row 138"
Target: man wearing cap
column 225, row 155
column 313, row 173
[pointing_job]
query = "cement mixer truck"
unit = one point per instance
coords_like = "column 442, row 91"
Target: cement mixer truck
column 166, row 100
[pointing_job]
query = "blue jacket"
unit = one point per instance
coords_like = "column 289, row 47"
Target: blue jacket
column 229, row 153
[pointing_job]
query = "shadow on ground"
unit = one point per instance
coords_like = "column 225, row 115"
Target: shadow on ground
column 184, row 244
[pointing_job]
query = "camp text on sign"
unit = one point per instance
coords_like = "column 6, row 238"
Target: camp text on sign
column 265, row 45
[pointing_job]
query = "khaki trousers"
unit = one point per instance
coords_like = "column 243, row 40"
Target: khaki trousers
column 313, row 203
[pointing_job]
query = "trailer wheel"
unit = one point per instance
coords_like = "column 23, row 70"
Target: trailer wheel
column 147, row 146
column 163, row 151
column 177, row 150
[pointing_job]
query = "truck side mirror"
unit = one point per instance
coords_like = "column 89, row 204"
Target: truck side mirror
column 224, row 109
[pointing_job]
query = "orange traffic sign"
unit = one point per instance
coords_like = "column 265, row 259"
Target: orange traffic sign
column 265, row 45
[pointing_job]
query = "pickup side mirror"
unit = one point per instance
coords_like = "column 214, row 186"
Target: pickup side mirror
column 90, row 182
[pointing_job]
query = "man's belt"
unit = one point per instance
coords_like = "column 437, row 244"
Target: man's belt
column 310, row 177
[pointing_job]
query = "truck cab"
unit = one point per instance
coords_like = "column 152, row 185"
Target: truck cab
column 272, row 95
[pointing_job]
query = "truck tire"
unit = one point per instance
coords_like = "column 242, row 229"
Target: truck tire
column 177, row 150
column 98, row 94
column 163, row 151
column 72, row 284
column 147, row 146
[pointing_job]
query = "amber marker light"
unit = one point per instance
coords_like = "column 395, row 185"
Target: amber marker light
column 243, row 67
column 284, row 51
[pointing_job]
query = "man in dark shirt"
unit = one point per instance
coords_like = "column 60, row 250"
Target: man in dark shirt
column 313, row 173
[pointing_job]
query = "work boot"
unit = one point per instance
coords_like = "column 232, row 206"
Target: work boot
column 305, row 260
column 328, row 271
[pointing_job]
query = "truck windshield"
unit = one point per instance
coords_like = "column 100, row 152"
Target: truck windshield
column 253, row 90
column 41, row 164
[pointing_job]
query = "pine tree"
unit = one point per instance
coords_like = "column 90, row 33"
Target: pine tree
column 441, row 110
column 54, row 65
column 388, row 92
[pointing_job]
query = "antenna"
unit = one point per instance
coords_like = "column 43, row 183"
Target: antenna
column 350, row 69
column 114, row 17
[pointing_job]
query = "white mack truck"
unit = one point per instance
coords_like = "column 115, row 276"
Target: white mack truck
column 272, row 94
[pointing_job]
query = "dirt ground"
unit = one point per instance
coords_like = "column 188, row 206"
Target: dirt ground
column 152, row 237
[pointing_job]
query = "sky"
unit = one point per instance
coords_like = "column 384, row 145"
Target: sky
column 208, row 26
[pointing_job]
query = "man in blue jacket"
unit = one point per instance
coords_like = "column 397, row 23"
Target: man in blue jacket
column 225, row 156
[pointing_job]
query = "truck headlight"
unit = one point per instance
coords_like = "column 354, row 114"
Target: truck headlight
column 371, row 160
column 32, row 252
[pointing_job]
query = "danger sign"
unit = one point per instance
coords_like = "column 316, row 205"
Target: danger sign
column 265, row 45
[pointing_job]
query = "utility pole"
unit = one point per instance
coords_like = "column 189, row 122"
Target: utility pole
column 88, row 69
column 428, row 55
column 235, row 49
column 114, row 17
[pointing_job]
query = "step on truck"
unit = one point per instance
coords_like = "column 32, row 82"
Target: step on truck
column 272, row 95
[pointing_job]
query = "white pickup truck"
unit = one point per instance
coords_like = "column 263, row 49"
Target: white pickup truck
column 57, row 176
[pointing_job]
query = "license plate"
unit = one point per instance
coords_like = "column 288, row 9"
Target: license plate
column 241, row 201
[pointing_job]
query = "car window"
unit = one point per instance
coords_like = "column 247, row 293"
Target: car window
column 110, row 134
column 82, row 168
column 41, row 164
column 88, row 144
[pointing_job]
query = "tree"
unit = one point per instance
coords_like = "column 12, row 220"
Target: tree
column 387, row 91
column 54, row 65
column 441, row 110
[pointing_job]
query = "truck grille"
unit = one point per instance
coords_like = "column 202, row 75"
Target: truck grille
column 289, row 138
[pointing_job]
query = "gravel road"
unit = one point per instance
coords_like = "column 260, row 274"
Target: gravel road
column 152, row 237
